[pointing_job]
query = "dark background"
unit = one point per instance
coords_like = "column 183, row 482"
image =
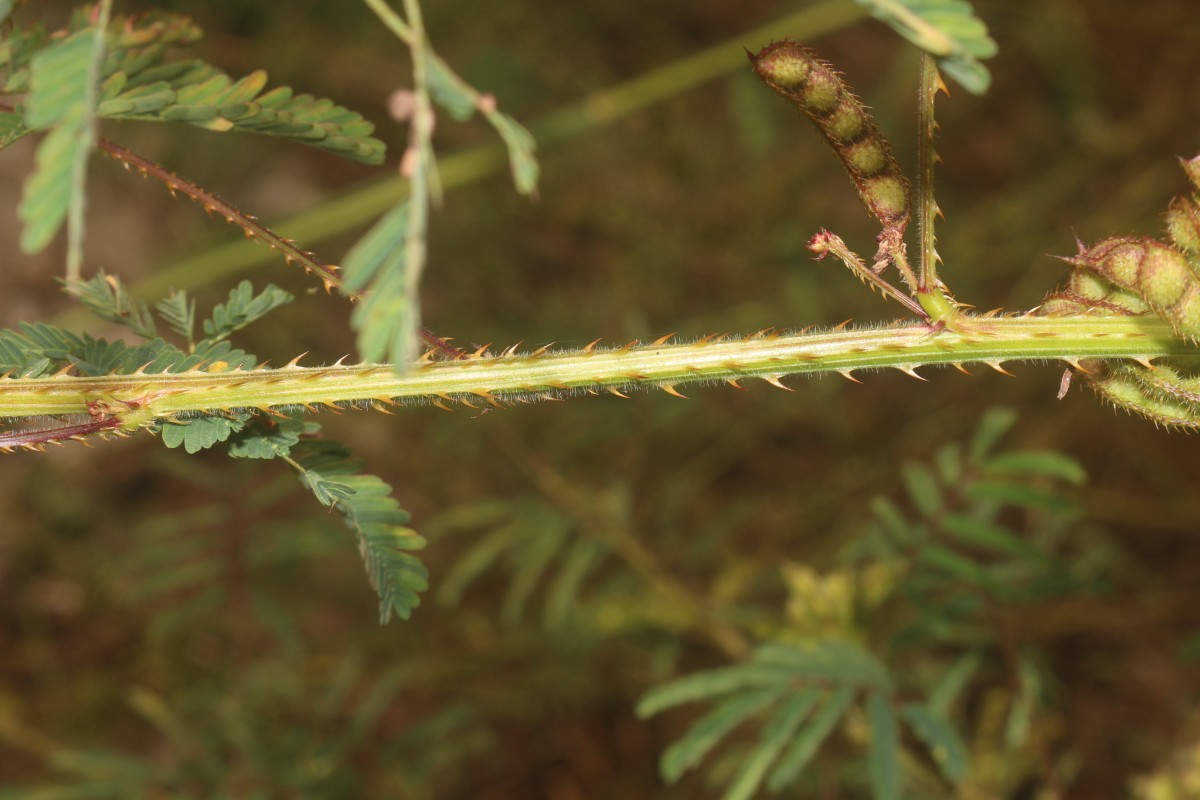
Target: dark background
column 205, row 617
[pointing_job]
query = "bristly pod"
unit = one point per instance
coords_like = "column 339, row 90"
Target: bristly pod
column 1158, row 273
column 1088, row 293
column 816, row 88
column 1147, row 391
column 1183, row 217
column 1183, row 224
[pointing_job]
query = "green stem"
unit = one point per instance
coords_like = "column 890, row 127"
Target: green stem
column 392, row 20
column 482, row 379
column 927, row 207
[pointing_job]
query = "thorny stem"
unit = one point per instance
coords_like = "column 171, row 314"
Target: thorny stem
column 927, row 207
column 484, row 379
column 825, row 242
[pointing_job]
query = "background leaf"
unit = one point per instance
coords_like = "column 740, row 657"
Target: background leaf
column 948, row 29
column 58, row 100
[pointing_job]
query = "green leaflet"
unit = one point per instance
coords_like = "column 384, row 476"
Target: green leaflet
column 948, row 29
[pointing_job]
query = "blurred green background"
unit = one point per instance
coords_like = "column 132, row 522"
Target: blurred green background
column 203, row 619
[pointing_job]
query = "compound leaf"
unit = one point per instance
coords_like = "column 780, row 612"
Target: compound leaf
column 365, row 503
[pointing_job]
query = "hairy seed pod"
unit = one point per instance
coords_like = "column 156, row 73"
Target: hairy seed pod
column 1167, row 383
column 816, row 88
column 1097, row 293
column 1124, row 386
column 1183, row 224
column 1160, row 274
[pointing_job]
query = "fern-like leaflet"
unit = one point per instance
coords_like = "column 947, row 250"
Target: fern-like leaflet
column 365, row 502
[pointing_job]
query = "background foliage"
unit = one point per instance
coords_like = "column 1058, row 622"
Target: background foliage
column 189, row 623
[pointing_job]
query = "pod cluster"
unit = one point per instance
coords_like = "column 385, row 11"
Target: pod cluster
column 1140, row 275
column 818, row 91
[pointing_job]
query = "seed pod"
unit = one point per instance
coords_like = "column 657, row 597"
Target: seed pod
column 1098, row 294
column 1183, row 224
column 816, row 88
column 1192, row 167
column 1124, row 386
column 1160, row 274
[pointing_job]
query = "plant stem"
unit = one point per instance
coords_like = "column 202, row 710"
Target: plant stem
column 927, row 207
column 484, row 379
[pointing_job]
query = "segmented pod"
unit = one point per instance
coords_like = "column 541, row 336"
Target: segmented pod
column 816, row 88
column 1158, row 273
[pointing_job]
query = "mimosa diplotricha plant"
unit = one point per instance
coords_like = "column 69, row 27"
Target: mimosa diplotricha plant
column 1140, row 300
column 1126, row 321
